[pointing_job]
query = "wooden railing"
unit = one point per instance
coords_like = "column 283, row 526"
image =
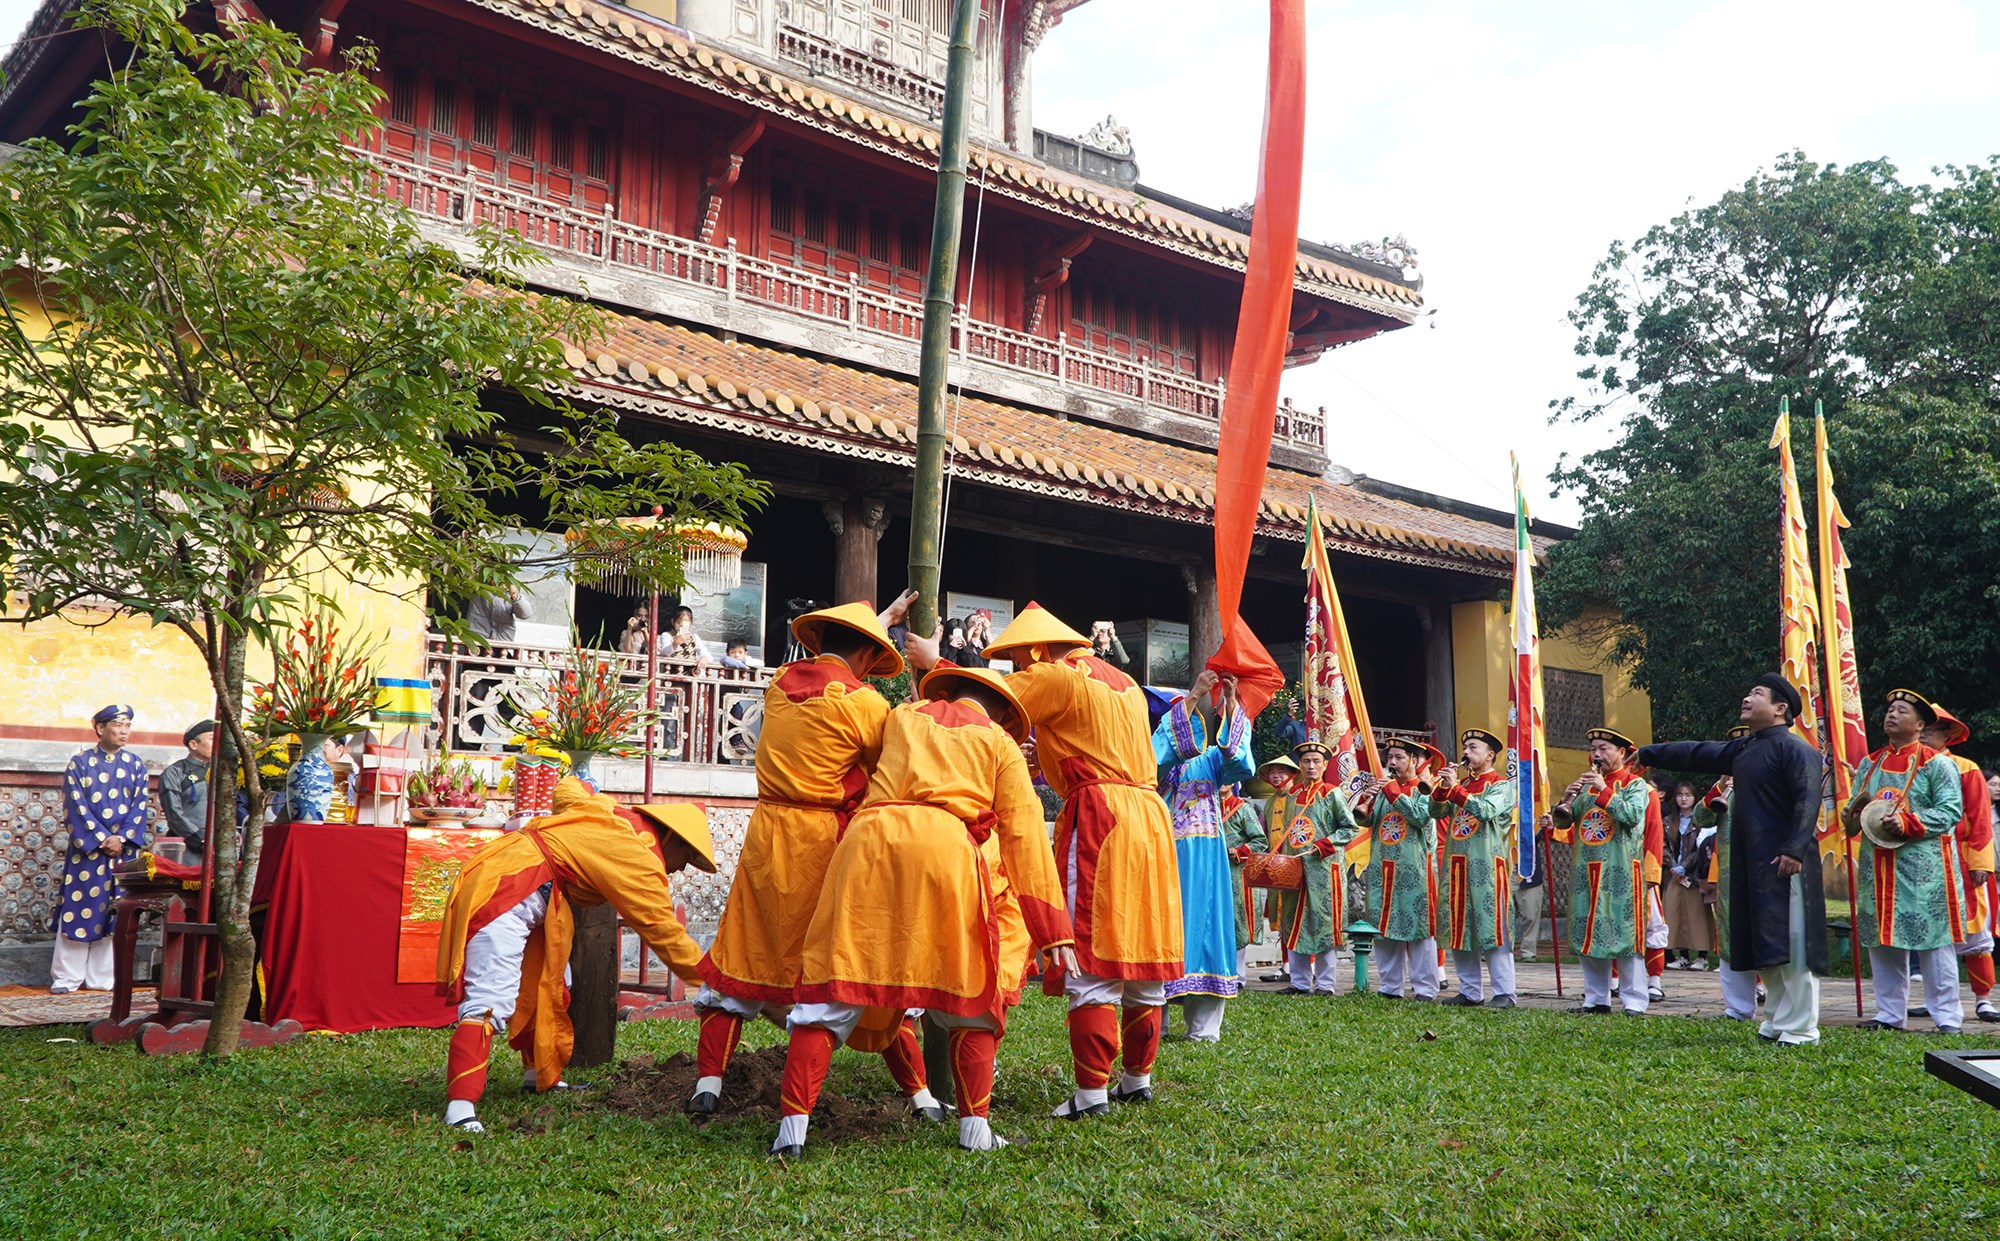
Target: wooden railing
column 467, row 198
column 707, row 715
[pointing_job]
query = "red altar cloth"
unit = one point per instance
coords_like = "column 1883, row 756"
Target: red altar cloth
column 334, row 894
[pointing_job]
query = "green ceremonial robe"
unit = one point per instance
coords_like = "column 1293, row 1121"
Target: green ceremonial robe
column 1478, row 816
column 1909, row 897
column 1401, row 879
column 1244, row 825
column 1607, row 890
column 1315, row 824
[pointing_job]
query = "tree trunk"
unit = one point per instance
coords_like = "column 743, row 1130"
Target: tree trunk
column 229, row 905
column 593, row 991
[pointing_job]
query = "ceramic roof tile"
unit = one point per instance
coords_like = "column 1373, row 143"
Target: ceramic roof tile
column 855, row 412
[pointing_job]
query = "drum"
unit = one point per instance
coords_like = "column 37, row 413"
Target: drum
column 1275, row 870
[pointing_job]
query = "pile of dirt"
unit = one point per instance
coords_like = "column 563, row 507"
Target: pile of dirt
column 649, row 1090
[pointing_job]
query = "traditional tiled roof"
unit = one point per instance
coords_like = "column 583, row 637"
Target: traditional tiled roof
column 688, row 376
column 675, row 52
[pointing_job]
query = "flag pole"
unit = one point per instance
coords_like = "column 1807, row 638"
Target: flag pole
column 1832, row 586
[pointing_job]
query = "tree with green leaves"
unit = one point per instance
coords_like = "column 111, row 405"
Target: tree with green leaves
column 1817, row 282
column 227, row 370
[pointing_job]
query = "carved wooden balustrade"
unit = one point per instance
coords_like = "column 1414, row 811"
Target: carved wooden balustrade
column 843, row 303
column 707, row 715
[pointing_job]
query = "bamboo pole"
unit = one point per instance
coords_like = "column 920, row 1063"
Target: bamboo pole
column 927, row 489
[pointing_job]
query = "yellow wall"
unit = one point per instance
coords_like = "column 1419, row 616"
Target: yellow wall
column 1482, row 654
column 57, row 673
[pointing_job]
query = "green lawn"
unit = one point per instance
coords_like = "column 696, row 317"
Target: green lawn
column 1313, row 1118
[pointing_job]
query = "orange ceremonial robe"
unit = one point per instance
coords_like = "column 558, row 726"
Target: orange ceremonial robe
column 916, row 912
column 822, row 735
column 1975, row 843
column 595, row 854
column 1096, row 751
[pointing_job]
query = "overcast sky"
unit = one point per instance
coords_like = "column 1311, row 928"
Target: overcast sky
column 1511, row 143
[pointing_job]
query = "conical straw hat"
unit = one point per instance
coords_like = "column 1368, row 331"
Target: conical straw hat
column 810, row 630
column 1035, row 626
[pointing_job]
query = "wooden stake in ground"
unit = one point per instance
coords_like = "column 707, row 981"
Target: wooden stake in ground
column 593, row 990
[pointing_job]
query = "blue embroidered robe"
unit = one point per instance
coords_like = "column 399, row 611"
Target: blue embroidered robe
column 1191, row 779
column 104, row 795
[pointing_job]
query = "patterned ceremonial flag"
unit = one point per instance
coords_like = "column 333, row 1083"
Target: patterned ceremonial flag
column 1798, row 601
column 1846, row 729
column 1527, row 746
column 1336, row 716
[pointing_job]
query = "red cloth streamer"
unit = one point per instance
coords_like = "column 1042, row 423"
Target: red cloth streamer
column 1249, row 407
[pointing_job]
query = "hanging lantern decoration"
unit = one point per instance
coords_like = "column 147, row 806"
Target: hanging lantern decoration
column 711, row 554
column 711, row 557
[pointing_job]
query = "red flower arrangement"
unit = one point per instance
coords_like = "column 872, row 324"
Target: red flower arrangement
column 318, row 683
column 589, row 708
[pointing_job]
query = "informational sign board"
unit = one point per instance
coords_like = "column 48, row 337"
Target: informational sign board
column 1977, row 1073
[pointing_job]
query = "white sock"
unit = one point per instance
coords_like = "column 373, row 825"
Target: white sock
column 457, row 1111
column 708, row 1085
column 792, row 1130
column 1082, row 1099
column 923, row 1098
column 974, row 1134
column 1129, row 1082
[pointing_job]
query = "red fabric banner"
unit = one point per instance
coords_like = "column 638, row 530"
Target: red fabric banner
column 1249, row 407
column 432, row 858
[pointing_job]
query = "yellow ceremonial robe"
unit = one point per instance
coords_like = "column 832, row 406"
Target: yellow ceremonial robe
column 593, row 853
column 822, row 734
column 943, row 880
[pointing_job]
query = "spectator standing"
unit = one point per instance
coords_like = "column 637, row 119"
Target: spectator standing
column 678, row 641
column 184, row 790
column 1690, row 932
column 493, row 617
column 1105, row 645
column 104, row 808
column 633, row 640
column 959, row 647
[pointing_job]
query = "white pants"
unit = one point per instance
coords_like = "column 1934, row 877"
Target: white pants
column 709, row 997
column 1597, row 981
column 1203, row 1016
column 1792, row 1016
column 1499, row 966
column 1310, row 974
column 1085, row 989
column 841, row 1019
column 1656, row 923
column 1891, row 967
column 493, row 962
column 1739, row 993
column 82, row 963
column 1404, row 962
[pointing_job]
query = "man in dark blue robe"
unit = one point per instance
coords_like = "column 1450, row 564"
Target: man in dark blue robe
column 1776, row 911
column 104, row 808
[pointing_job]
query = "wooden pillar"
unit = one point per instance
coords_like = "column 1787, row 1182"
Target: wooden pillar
column 857, row 524
column 1204, row 614
column 1440, row 692
column 593, row 991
